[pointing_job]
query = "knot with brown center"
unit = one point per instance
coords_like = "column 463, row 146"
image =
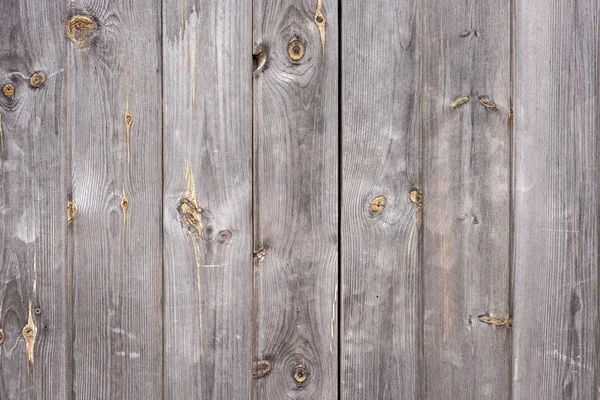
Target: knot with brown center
column 80, row 28
column 296, row 49
column 37, row 79
column 8, row 90
column 300, row 374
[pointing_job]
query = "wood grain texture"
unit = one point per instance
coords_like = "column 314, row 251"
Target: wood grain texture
column 381, row 157
column 115, row 242
column 207, row 199
column 557, row 98
column 296, row 198
column 33, row 262
column 466, row 204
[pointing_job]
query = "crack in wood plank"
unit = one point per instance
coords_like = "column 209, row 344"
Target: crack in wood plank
column 320, row 21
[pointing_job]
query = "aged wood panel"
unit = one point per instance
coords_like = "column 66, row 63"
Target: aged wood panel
column 466, row 203
column 207, row 56
column 114, row 125
column 381, row 293
column 557, row 98
column 296, row 198
column 33, row 213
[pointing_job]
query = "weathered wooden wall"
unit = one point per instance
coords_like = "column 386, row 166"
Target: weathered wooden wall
column 311, row 199
column 557, row 124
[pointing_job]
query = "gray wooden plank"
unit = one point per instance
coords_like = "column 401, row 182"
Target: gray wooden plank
column 296, row 197
column 380, row 224
column 33, row 262
column 557, row 95
column 114, row 123
column 207, row 199
column 466, row 206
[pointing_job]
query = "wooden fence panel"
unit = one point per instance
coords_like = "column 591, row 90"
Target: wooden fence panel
column 557, row 120
column 381, row 216
column 178, row 220
column 207, row 55
column 33, row 202
column 466, row 199
column 114, row 125
column 296, row 198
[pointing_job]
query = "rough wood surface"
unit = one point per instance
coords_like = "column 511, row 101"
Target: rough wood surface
column 296, row 197
column 114, row 127
column 557, row 120
column 207, row 56
column 380, row 274
column 170, row 212
column 33, row 213
column 466, row 199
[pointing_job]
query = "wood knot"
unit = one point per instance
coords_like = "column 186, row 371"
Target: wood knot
column 225, row 235
column 29, row 334
column 416, row 197
column 71, row 211
column 377, row 205
column 128, row 120
column 260, row 254
column 80, row 28
column 37, row 79
column 260, row 57
column 124, row 203
column 260, row 369
column 191, row 215
column 460, row 101
column 1, row 336
column 300, row 373
column 488, row 104
column 296, row 49
column 488, row 319
column 8, row 90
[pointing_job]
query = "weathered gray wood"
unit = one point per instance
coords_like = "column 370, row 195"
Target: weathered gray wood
column 33, row 214
column 114, row 127
column 380, row 235
column 296, row 197
column 207, row 56
column 557, row 99
column 466, row 204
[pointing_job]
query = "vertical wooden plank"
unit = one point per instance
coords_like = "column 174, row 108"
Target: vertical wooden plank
column 557, row 98
column 380, row 223
column 33, row 213
column 466, row 206
column 296, row 197
column 208, row 198
column 114, row 119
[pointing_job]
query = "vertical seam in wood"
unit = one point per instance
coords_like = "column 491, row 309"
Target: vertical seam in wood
column 420, row 251
column 253, row 222
column 597, row 327
column 162, row 188
column 340, row 285
column 511, row 233
column 68, row 230
column 596, row 383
